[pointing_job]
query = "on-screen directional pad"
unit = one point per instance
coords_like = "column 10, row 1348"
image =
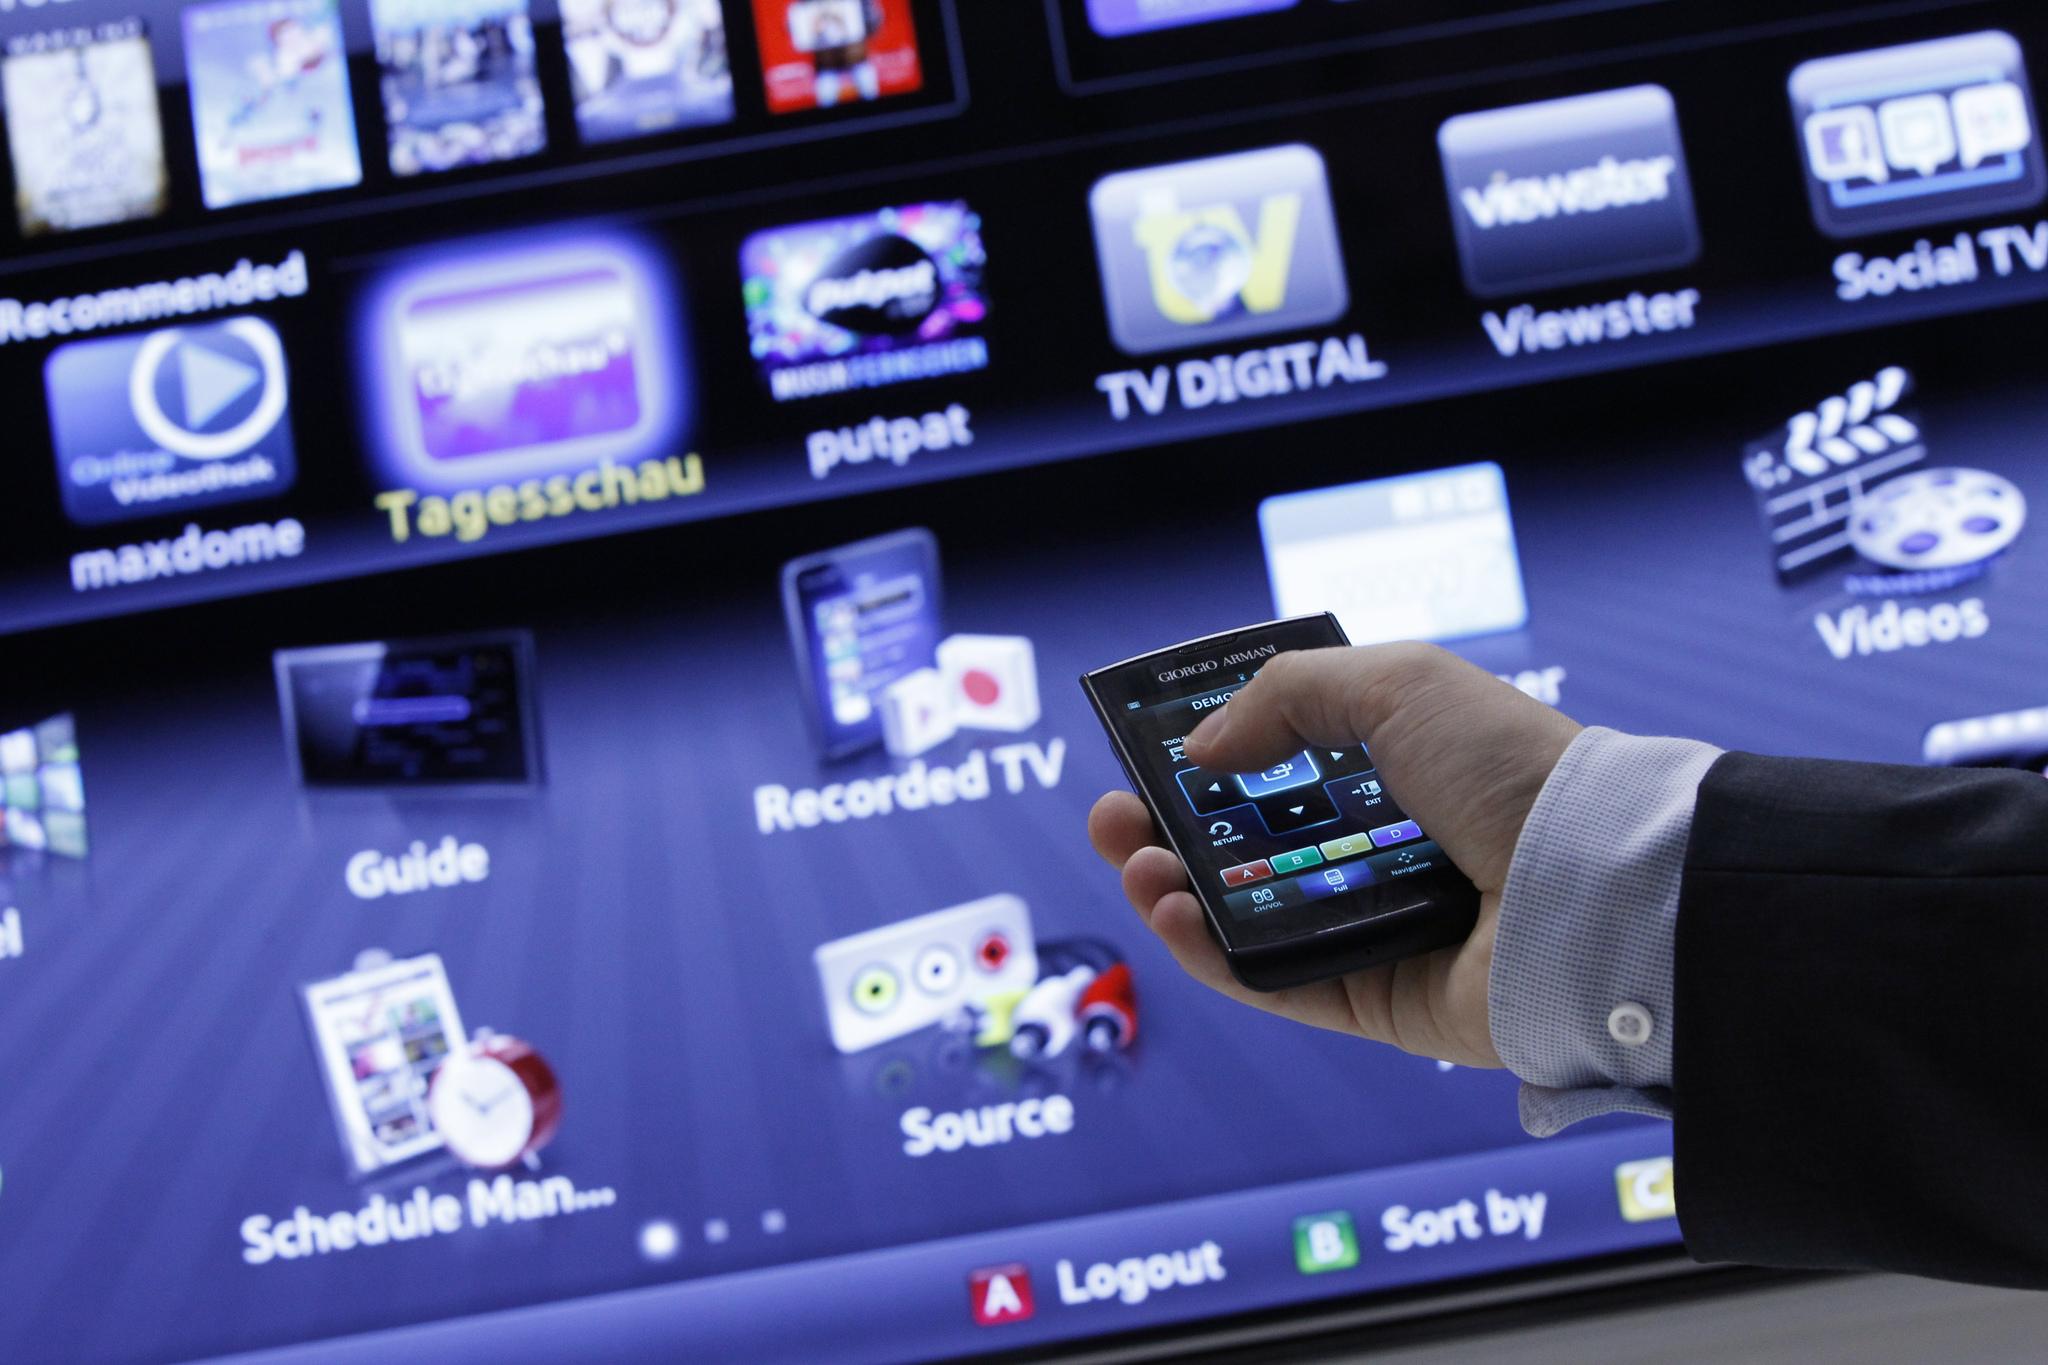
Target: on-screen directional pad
column 1297, row 809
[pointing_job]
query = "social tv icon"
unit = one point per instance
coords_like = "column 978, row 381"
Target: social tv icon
column 1206, row 251
column 1921, row 133
column 159, row 422
column 999, row 1294
column 1569, row 190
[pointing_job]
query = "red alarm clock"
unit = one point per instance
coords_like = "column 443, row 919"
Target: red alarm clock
column 497, row 1104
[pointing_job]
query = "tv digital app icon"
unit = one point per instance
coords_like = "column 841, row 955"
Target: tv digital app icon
column 1212, row 250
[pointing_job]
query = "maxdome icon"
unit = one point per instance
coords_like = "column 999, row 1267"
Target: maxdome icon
column 162, row 422
column 1206, row 251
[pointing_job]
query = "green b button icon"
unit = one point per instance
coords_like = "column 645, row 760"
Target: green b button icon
column 1324, row 1241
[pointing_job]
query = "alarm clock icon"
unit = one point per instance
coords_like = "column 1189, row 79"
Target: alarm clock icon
column 496, row 1105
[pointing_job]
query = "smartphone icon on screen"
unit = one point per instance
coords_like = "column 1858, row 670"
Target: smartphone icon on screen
column 860, row 617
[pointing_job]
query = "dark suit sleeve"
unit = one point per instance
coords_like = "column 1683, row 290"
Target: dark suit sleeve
column 1860, row 1032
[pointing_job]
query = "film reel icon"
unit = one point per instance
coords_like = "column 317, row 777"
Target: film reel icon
column 1937, row 519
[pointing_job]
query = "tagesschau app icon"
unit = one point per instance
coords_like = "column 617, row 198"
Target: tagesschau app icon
column 868, row 300
column 523, row 358
column 162, row 422
column 1569, row 190
column 1206, row 251
column 1921, row 133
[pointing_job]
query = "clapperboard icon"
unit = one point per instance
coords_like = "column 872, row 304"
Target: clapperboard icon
column 1809, row 475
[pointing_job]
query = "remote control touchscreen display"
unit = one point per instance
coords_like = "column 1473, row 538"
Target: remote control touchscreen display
column 1315, row 825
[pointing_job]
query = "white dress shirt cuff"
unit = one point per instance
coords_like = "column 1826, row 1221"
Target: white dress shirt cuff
column 1581, row 988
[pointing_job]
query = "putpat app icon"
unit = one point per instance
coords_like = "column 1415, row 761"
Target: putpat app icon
column 1230, row 246
column 157, row 423
column 1898, row 137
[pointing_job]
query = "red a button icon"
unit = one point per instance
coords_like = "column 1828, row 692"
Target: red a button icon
column 1000, row 1293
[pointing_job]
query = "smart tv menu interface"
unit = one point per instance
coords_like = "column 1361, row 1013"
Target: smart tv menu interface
column 541, row 781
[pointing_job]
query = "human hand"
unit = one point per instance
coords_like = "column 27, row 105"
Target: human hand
column 1462, row 752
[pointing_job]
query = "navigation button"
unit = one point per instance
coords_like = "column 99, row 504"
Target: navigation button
column 1405, row 862
column 1244, row 874
column 1208, row 792
column 1298, row 860
column 1297, row 810
column 1396, row 834
column 1350, row 844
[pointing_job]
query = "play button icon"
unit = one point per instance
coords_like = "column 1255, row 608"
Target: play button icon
column 207, row 373
column 210, row 381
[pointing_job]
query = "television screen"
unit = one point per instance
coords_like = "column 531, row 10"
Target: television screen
column 567, row 534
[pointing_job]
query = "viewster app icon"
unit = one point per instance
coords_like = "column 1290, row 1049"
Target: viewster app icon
column 159, row 422
column 1920, row 133
column 1570, row 190
column 1206, row 251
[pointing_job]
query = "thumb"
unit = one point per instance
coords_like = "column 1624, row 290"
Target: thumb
column 1336, row 697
